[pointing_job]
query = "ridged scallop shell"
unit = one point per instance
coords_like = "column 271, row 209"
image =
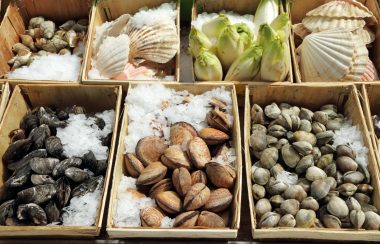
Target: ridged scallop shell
column 326, row 56
column 359, row 61
column 157, row 43
column 370, row 73
column 318, row 23
column 300, row 30
column 338, row 9
column 365, row 35
column 113, row 56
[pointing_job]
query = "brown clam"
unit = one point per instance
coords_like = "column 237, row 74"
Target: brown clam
column 220, row 199
column 257, row 114
column 161, row 186
column 305, row 136
column 133, row 165
column 151, row 217
column 153, row 173
column 219, row 120
column 198, row 152
column 210, row 220
column 181, row 180
column 149, row 149
column 218, row 103
column 221, row 175
column 186, row 219
column 174, row 157
column 198, row 176
column 213, row 136
column 345, row 164
column 181, row 133
column 169, row 201
column 196, row 197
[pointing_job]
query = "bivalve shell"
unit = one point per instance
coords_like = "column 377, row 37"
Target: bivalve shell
column 196, row 197
column 169, row 201
column 210, row 220
column 319, row 24
column 220, row 199
column 186, row 219
column 181, row 133
column 269, row 219
column 287, row 220
column 220, row 175
column 337, row 207
column 151, row 217
column 149, row 149
column 213, row 136
column 342, row 9
column 305, row 218
column 174, row 157
column 181, row 181
column 152, row 174
column 331, row 221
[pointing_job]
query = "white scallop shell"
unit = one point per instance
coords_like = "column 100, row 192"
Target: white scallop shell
column 327, row 55
column 300, row 30
column 371, row 73
column 365, row 35
column 157, row 43
column 359, row 62
column 339, row 9
column 112, row 56
column 318, row 23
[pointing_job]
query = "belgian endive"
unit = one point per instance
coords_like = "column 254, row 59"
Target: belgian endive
column 230, row 46
column 207, row 67
column 266, row 12
column 214, row 27
column 197, row 41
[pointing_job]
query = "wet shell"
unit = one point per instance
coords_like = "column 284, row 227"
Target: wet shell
column 213, row 136
column 32, row 212
column 52, row 212
column 77, row 175
column 48, row 27
column 7, row 209
column 319, row 189
column 60, row 168
column 347, row 189
column 89, row 185
column 152, row 174
column 149, row 149
column 39, row 135
column 331, row 221
column 220, row 175
column 353, row 204
column 151, row 217
column 260, row 176
column 174, row 157
column 43, row 166
column 219, row 120
column 37, row 194
column 305, row 218
column 220, row 199
column 269, row 157
column 357, row 218
column 372, row 221
column 181, row 133
column 181, row 180
column 17, row 150
column 295, row 192
column 41, row 179
column 290, row 156
column 287, row 220
column 344, row 150
column 196, row 197
column 169, row 201
column 198, row 176
column 186, row 219
column 161, row 186
column 198, row 152
column 258, row 140
column 337, row 207
column 269, row 219
column 290, row 206
column 19, row 177
column 133, row 165
column 158, row 43
column 319, row 23
column 54, row 146
column 342, row 9
column 210, row 220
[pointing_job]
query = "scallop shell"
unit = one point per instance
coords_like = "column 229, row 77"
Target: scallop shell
column 365, row 35
column 327, row 55
column 157, row 43
column 370, row 73
column 318, row 23
column 359, row 61
column 113, row 56
column 300, row 30
column 338, row 9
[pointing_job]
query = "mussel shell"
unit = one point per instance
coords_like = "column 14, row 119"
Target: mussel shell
column 37, row 194
column 60, row 168
column 52, row 212
column 77, row 175
column 54, row 146
column 89, row 185
column 43, row 166
column 41, row 179
column 17, row 150
column 33, row 213
column 19, row 177
column 7, row 209
column 40, row 153
column 38, row 136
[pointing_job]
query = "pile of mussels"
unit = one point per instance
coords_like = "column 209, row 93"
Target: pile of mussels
column 182, row 178
column 299, row 178
column 44, row 179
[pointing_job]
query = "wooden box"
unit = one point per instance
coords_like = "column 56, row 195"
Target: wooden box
column 109, row 10
column 298, row 10
column 5, row 93
column 120, row 170
column 241, row 7
column 346, row 98
column 93, row 99
column 17, row 17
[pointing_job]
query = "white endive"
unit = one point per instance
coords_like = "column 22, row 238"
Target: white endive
column 197, row 41
column 245, row 34
column 246, row 66
column 207, row 67
column 214, row 27
column 266, row 12
column 229, row 46
column 281, row 25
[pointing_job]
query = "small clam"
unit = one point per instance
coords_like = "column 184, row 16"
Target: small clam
column 271, row 140
column 181, row 180
column 327, row 149
column 305, row 163
column 285, row 121
column 269, row 219
column 257, row 114
column 262, row 206
column 317, row 127
column 213, row 136
column 276, row 131
column 365, row 188
column 306, row 114
column 305, row 125
column 331, row 221
column 314, row 173
column 275, row 187
column 310, row 203
column 354, row 177
column 303, row 147
column 272, row 111
column 353, row 204
column 304, row 183
column 345, row 164
column 345, row 150
column 196, row 197
column 305, row 136
column 133, row 165
column 169, row 201
column 347, row 189
column 210, row 220
column 151, row 217
column 220, row 175
column 319, row 189
column 198, row 176
column 325, row 160
column 305, row 218
column 324, row 137
column 332, row 182
column 149, row 149
column 287, row 220
column 334, row 124
column 186, row 219
column 337, row 207
column 331, row 114
column 290, row 156
column 258, row 191
column 290, row 206
column 261, row 176
column 280, row 143
column 161, row 186
column 259, row 127
column 276, row 169
column 330, row 195
column 220, row 199
column 357, row 218
column 181, row 133
column 276, row 200
column 368, row 207
column 289, row 136
column 152, row 174
column 362, row 198
column 174, row 157
column 218, row 103
column 331, row 107
column 372, row 221
column 321, row 117
column 295, row 192
column 316, row 153
column 284, row 106
column 218, row 119
column 269, row 157
column 331, row 170
column 296, row 122
column 258, row 140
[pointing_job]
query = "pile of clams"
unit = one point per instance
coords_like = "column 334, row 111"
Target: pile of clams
column 181, row 178
column 299, row 178
column 42, row 179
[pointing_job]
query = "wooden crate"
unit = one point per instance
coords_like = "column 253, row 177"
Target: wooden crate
column 5, row 93
column 346, row 98
column 241, row 7
column 298, row 10
column 109, row 10
column 94, row 99
column 120, row 170
column 16, row 20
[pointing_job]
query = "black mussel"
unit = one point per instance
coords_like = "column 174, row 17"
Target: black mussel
column 52, row 212
column 63, row 115
column 29, row 122
column 89, row 185
column 41, row 179
column 90, row 162
column 7, row 209
column 63, row 192
column 106, row 141
column 32, row 212
column 17, row 134
column 37, row 194
column 77, row 175
column 39, row 135
column 43, row 166
column 17, row 150
column 50, row 119
column 100, row 122
column 54, row 146
column 65, row 164
column 40, row 153
column 19, row 177
column 101, row 166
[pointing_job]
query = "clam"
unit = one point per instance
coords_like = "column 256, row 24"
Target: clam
column 272, row 111
column 332, row 182
column 269, row 157
column 282, row 142
column 258, row 191
column 258, row 140
column 310, row 203
column 276, row 131
column 181, row 181
column 275, row 187
column 271, row 140
column 174, row 157
column 285, row 121
column 337, row 207
column 133, row 165
column 345, row 164
column 334, row 124
column 169, row 201
column 220, row 175
column 52, row 212
column 327, row 149
column 357, row 218
column 305, row 125
column 213, row 136
column 220, row 199
column 32, row 212
column 63, row 192
column 257, row 114
column 186, row 219
column 259, row 127
column 290, row 156
column 161, row 186
column 218, row 103
column 345, row 150
column 306, row 114
column 284, row 106
column 296, row 122
column 269, row 219
column 305, row 218
column 305, row 136
column 260, row 176
column 316, row 153
column 276, row 169
column 368, row 207
column 324, row 137
column 314, row 173
column 365, row 188
column 372, row 221
column 304, row 183
column 354, row 177
column 287, row 220
column 353, row 204
column 181, row 133
column 60, row 168
column 198, row 176
column 330, row 195
column 331, row 170
column 149, row 149
column 303, row 147
column 321, row 117
column 325, row 160
column 290, row 206
column 347, row 189
column 37, row 194
column 152, row 174
column 295, row 192
column 305, row 163
column 210, row 220
column 331, row 107
column 198, row 152
column 317, row 127
column 276, row 200
column 196, row 197
column 362, row 198
column 331, row 221
column 319, row 189
column 151, row 217
column 41, row 179
column 262, row 206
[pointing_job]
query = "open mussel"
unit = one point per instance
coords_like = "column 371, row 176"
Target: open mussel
column 63, row 191
column 89, row 185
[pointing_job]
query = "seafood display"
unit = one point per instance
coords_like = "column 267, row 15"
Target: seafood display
column 232, row 47
column 50, row 183
column 136, row 47
column 182, row 171
column 49, row 52
column 310, row 169
column 336, row 37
